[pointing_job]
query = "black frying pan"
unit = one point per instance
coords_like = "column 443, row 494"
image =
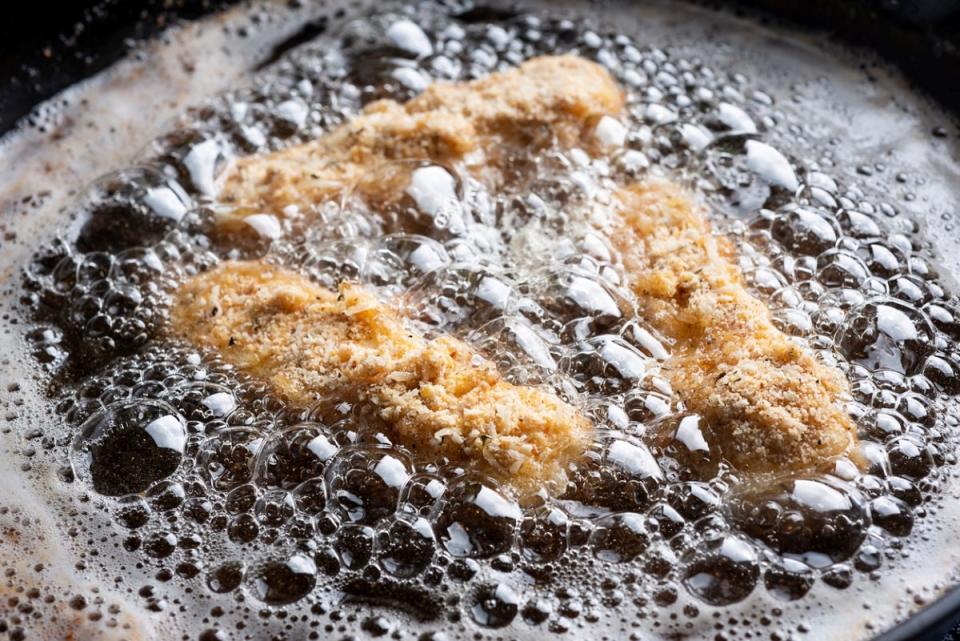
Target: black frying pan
column 47, row 46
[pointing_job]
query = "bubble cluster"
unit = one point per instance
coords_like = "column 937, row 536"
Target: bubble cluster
column 221, row 484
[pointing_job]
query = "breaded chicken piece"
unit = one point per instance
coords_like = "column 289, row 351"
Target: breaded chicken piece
column 435, row 396
column 547, row 100
column 771, row 405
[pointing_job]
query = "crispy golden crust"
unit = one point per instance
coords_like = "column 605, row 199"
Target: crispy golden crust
column 435, row 396
column 770, row 404
column 545, row 100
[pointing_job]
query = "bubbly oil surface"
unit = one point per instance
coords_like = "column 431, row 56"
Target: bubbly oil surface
column 225, row 513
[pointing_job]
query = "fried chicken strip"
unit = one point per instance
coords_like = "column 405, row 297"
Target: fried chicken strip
column 547, row 100
column 768, row 402
column 771, row 405
column 435, row 396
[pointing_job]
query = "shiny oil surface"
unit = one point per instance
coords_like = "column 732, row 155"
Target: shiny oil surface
column 192, row 498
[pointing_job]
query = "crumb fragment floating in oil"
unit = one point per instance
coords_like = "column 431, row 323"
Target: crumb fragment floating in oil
column 435, row 396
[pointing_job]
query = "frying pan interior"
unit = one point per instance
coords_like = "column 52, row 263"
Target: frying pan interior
column 49, row 46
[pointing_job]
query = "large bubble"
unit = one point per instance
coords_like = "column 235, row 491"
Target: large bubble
column 128, row 446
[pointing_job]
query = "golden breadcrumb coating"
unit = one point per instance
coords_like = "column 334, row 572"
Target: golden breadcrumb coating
column 435, row 396
column 770, row 404
column 546, row 100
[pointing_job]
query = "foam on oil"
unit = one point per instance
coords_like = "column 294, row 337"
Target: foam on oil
column 256, row 520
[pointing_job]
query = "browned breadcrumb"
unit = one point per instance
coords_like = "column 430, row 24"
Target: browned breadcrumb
column 770, row 404
column 552, row 99
column 436, row 396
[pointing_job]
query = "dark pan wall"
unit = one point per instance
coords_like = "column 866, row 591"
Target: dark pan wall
column 46, row 45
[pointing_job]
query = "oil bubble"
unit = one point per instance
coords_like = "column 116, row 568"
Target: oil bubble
column 128, row 446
